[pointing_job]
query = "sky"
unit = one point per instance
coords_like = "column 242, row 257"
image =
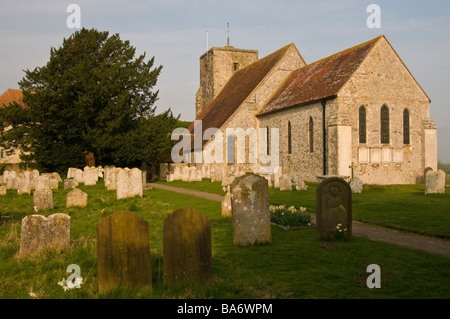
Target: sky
column 174, row 32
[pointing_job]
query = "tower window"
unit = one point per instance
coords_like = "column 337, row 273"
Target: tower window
column 235, row 66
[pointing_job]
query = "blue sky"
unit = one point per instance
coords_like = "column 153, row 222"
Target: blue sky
column 175, row 33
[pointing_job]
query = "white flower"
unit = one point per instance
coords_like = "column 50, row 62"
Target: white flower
column 32, row 294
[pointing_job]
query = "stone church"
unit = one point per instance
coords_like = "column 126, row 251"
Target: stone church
column 357, row 113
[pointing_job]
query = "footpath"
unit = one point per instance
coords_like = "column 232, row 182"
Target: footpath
column 381, row 234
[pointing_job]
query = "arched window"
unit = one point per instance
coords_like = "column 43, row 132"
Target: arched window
column 384, row 124
column 405, row 126
column 311, row 135
column 289, row 138
column 362, row 125
column 268, row 141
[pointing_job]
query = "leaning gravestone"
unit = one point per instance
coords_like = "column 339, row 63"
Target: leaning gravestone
column 187, row 247
column 356, row 184
column 123, row 251
column 43, row 199
column 250, row 210
column 435, row 182
column 334, row 206
column 76, row 198
column 39, row 232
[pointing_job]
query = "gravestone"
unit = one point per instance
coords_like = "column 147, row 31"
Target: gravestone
column 129, row 183
column 39, row 232
column 169, row 177
column 198, row 175
column 285, row 183
column 435, row 182
column 250, row 210
column 300, row 184
column 2, row 190
column 276, row 176
column 42, row 182
column 226, row 205
column 112, row 179
column 177, row 173
column 53, row 183
column 356, row 184
column 24, row 186
column 187, row 247
column 192, row 174
column 123, row 251
column 90, row 176
column 76, row 198
column 43, row 199
column 334, row 206
column 70, row 183
column 78, row 175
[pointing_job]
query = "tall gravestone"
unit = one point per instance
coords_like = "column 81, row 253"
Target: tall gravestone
column 187, row 247
column 334, row 206
column 129, row 183
column 39, row 232
column 123, row 251
column 435, row 182
column 250, row 210
column 285, row 182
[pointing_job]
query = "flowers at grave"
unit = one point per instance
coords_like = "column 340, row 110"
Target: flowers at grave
column 289, row 216
column 340, row 233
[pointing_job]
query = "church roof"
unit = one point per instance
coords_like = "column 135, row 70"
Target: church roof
column 319, row 80
column 11, row 95
column 236, row 91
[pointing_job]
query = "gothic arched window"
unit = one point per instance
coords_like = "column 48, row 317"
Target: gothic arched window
column 384, row 124
column 268, row 141
column 311, row 135
column 362, row 125
column 289, row 138
column 405, row 126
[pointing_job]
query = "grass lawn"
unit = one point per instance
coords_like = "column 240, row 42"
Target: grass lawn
column 402, row 207
column 294, row 265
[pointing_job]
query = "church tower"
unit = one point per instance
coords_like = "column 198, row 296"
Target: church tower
column 217, row 65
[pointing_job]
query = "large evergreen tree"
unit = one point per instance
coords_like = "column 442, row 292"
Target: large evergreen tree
column 93, row 96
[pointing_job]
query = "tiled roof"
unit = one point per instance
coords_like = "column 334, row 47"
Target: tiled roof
column 319, row 80
column 11, row 95
column 236, row 91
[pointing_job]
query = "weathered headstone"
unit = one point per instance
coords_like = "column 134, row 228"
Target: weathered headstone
column 90, row 176
column 356, row 184
column 334, row 207
column 250, row 210
column 53, row 183
column 435, row 182
column 169, row 177
column 226, row 205
column 112, row 179
column 187, row 247
column 39, row 232
column 42, row 182
column 129, row 183
column 192, row 174
column 76, row 198
column 285, row 183
column 70, row 183
column 78, row 175
column 300, row 184
column 123, row 251
column 2, row 190
column 24, row 186
column 43, row 199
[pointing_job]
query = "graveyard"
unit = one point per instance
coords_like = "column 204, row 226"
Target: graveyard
column 289, row 264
